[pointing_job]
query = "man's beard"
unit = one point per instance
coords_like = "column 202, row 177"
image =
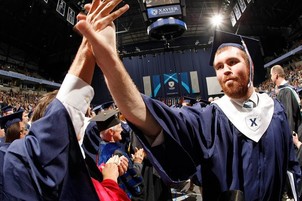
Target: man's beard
column 236, row 90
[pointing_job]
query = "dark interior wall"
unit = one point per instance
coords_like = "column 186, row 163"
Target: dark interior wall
column 161, row 63
column 172, row 62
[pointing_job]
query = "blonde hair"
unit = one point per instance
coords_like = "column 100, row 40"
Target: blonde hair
column 42, row 105
column 278, row 70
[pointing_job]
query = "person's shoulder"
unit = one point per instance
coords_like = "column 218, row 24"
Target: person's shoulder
column 17, row 147
column 278, row 105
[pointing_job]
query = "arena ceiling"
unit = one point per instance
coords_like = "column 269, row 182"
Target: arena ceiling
column 36, row 29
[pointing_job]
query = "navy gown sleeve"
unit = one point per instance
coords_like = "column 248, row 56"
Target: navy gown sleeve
column 47, row 164
column 227, row 159
column 188, row 133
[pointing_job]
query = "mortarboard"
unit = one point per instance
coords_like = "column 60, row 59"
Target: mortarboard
column 9, row 120
column 6, row 108
column 106, row 119
column 189, row 100
column 247, row 44
column 103, row 106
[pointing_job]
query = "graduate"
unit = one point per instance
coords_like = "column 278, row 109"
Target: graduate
column 92, row 137
column 287, row 95
column 48, row 164
column 242, row 141
column 7, row 110
column 110, row 129
column 15, row 129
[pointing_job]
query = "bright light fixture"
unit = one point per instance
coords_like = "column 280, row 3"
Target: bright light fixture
column 216, row 20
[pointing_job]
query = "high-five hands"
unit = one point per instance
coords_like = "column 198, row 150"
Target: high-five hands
column 98, row 27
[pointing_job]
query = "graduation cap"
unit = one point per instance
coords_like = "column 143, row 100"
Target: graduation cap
column 250, row 45
column 7, row 108
column 9, row 120
column 103, row 106
column 189, row 100
column 106, row 119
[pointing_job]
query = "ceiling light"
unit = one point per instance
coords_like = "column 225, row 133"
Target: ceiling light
column 216, row 20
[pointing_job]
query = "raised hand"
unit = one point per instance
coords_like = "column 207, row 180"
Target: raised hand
column 99, row 29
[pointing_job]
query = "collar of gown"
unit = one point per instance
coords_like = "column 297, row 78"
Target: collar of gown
column 250, row 122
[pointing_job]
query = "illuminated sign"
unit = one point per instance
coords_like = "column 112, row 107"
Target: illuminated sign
column 151, row 3
column 164, row 11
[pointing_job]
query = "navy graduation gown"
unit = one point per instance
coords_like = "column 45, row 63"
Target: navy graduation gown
column 91, row 141
column 47, row 164
column 229, row 160
column 3, row 148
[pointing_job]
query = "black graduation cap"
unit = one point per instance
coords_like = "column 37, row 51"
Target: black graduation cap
column 103, row 106
column 7, row 121
column 106, row 119
column 7, row 108
column 189, row 100
column 247, row 44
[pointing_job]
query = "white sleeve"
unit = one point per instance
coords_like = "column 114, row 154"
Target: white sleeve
column 75, row 95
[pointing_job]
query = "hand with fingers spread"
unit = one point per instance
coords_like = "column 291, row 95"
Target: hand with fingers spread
column 99, row 29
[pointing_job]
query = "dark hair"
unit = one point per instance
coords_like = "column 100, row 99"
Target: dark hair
column 12, row 132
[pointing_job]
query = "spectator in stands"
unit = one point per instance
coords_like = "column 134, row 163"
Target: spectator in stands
column 232, row 153
column 47, row 164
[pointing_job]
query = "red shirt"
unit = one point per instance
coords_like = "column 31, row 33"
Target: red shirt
column 109, row 190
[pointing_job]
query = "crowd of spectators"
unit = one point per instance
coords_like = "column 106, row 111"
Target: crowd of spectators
column 19, row 100
column 293, row 75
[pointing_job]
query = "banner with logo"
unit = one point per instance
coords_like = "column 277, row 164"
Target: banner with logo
column 171, row 84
